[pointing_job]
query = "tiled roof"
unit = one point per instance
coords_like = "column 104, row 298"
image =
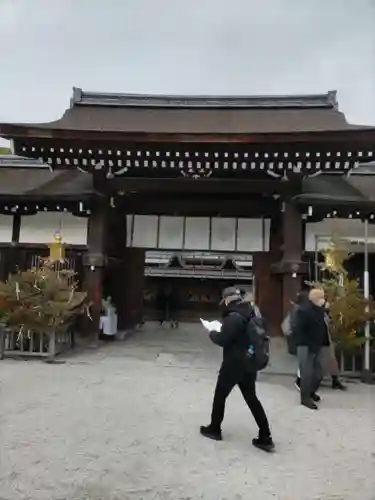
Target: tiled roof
column 329, row 188
column 132, row 113
column 30, row 178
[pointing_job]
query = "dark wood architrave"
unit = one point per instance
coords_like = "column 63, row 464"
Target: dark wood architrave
column 199, row 206
column 28, row 207
column 128, row 158
column 204, row 186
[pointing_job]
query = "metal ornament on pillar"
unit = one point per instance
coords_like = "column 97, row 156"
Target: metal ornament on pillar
column 294, row 269
column 57, row 249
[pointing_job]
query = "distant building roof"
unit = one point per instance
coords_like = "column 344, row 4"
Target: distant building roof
column 341, row 189
column 28, row 178
column 364, row 169
column 9, row 160
column 132, row 113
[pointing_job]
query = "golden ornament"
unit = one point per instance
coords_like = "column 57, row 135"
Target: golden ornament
column 56, row 249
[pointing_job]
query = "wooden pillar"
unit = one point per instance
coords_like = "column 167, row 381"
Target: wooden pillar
column 118, row 265
column 267, row 285
column 9, row 255
column 292, row 267
column 125, row 271
column 133, row 286
column 109, row 262
column 94, row 262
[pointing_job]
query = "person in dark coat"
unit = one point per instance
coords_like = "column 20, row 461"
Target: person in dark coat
column 288, row 325
column 330, row 361
column 311, row 335
column 167, row 305
column 173, row 306
column 234, row 371
column 161, row 305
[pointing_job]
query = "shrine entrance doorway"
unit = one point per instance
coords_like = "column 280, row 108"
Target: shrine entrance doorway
column 192, row 157
column 197, row 278
column 196, row 256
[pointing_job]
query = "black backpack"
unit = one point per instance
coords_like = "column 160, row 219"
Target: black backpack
column 258, row 353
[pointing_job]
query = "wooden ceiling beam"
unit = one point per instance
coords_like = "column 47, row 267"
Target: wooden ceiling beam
column 199, row 207
column 201, row 186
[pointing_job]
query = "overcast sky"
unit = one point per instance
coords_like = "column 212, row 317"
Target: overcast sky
column 184, row 47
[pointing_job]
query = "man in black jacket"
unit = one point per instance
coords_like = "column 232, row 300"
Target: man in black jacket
column 311, row 335
column 234, row 370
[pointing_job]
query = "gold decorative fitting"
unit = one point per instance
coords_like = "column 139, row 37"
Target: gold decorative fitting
column 56, row 249
column 335, row 256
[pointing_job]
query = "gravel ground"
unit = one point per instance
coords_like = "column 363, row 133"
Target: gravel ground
column 122, row 423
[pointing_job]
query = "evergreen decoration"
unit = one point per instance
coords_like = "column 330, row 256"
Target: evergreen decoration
column 349, row 308
column 42, row 299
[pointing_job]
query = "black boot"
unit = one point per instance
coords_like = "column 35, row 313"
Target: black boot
column 309, row 404
column 315, row 397
column 211, row 432
column 264, row 443
column 337, row 384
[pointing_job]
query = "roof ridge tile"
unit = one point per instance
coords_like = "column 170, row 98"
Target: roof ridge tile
column 81, row 98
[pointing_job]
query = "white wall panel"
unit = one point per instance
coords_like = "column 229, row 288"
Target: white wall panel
column 145, row 230
column 194, row 233
column 6, row 228
column 223, row 234
column 251, row 237
column 266, row 234
column 197, row 233
column 171, row 232
column 351, row 229
column 41, row 228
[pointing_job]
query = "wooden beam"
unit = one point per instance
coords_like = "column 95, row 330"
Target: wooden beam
column 199, row 206
column 201, row 186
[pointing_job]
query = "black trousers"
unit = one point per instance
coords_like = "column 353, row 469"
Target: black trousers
column 246, row 382
column 311, row 371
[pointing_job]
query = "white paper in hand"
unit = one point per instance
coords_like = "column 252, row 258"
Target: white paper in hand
column 211, row 326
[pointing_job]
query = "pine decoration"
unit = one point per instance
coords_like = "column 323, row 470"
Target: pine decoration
column 349, row 308
column 41, row 299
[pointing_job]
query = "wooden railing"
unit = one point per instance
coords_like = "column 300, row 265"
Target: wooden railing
column 351, row 365
column 20, row 343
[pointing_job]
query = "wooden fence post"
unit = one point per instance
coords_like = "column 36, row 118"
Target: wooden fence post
column 2, row 340
column 52, row 345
